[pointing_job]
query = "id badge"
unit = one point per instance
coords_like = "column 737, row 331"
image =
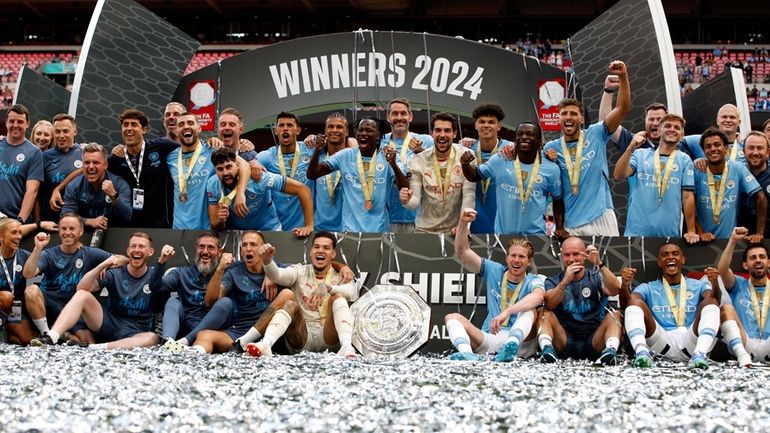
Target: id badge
column 138, row 199
column 15, row 316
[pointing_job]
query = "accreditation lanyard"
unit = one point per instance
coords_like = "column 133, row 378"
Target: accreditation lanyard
column 573, row 168
column 679, row 311
column 367, row 179
column 485, row 183
column 10, row 278
column 525, row 195
column 661, row 182
column 137, row 173
column 332, row 180
column 443, row 181
column 183, row 176
column 759, row 314
column 325, row 302
column 404, row 145
column 294, row 161
column 504, row 299
column 717, row 198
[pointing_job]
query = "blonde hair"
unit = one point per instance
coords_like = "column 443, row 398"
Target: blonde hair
column 5, row 222
column 517, row 242
column 42, row 124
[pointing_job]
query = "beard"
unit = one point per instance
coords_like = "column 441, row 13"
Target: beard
column 207, row 269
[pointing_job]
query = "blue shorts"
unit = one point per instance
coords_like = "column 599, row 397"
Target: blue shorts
column 117, row 328
column 237, row 330
column 579, row 346
column 53, row 308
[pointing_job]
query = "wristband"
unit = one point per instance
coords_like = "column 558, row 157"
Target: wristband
column 37, row 224
column 606, row 90
column 601, row 265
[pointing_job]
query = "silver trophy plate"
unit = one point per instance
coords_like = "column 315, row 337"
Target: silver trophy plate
column 390, row 320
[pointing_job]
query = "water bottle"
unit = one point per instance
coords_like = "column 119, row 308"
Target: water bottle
column 97, row 238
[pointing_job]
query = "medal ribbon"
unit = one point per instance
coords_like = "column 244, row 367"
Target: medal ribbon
column 366, row 179
column 573, row 168
column 226, row 199
column 294, row 161
column 12, row 279
column 679, row 311
column 404, row 145
column 504, row 299
column 137, row 173
column 325, row 302
column 485, row 183
column 734, row 151
column 443, row 181
column 716, row 200
column 332, row 180
column 760, row 316
column 181, row 175
column 662, row 182
column 525, row 195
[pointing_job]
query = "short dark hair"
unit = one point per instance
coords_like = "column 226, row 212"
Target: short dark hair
column 571, row 101
column 376, row 121
column 222, row 155
column 72, row 215
column 326, row 234
column 208, row 234
column 234, row 112
column 713, row 132
column 399, row 101
column 64, row 116
column 135, row 114
column 20, row 109
column 750, row 247
column 254, row 232
column 538, row 129
column 287, row 115
column 336, row 115
column 490, row 109
column 655, row 106
column 446, row 117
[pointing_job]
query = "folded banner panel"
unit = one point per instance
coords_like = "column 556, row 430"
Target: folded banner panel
column 44, row 98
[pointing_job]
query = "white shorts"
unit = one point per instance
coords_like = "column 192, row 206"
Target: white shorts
column 402, row 227
column 493, row 342
column 676, row 345
column 605, row 225
column 315, row 341
column 757, row 347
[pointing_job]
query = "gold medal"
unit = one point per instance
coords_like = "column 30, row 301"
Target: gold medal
column 575, row 189
column 483, row 198
column 183, row 197
column 368, row 205
column 716, row 219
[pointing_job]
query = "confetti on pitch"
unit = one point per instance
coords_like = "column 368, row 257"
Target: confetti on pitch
column 60, row 389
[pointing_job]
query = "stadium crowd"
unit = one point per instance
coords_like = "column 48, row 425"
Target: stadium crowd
column 383, row 181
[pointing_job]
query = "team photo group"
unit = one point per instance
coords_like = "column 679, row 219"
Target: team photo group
column 370, row 175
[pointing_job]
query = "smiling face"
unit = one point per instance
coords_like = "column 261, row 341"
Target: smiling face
column 250, row 243
column 443, row 134
column 94, row 167
column 652, row 123
column 570, row 120
column 17, row 125
column 207, row 254
column 229, row 130
column 42, row 137
column 487, row 127
column 322, row 253
column 132, row 132
column 336, row 131
column 188, row 130
column 399, row 117
column 11, row 235
column 368, row 136
column 170, row 116
column 671, row 132
column 527, row 140
column 139, row 250
column 64, row 133
column 573, row 251
column 756, row 151
column 756, row 262
column 670, row 260
column 728, row 120
column 517, row 261
column 715, row 149
column 287, row 130
column 70, row 231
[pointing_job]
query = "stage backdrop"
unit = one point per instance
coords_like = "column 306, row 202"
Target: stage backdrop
column 362, row 68
column 702, row 104
column 131, row 58
column 43, row 97
column 428, row 264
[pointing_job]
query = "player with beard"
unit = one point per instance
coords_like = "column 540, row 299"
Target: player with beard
column 170, row 114
column 191, row 169
column 314, row 315
column 673, row 317
column 744, row 322
column 437, row 187
column 582, row 158
column 98, row 196
column 365, row 203
column 577, row 325
column 12, row 309
column 289, row 159
column 62, row 266
column 522, row 185
column 262, row 215
column 513, row 294
column 328, row 189
column 243, row 282
column 756, row 148
column 721, row 188
column 127, row 321
column 664, row 184
column 229, row 130
column 406, row 144
column 64, row 158
column 22, row 164
column 487, row 121
column 187, row 314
